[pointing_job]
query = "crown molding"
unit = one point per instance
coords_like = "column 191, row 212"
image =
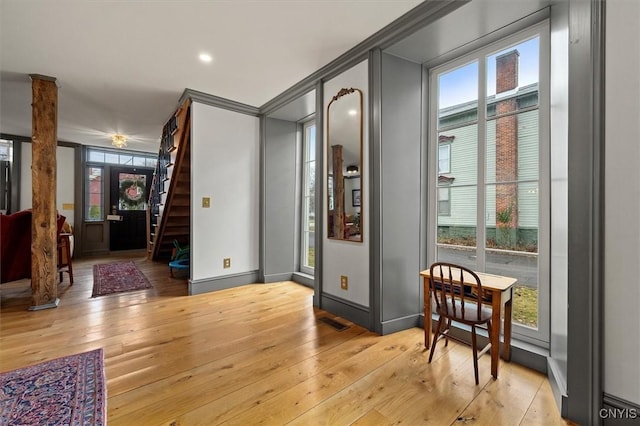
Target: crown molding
column 217, row 101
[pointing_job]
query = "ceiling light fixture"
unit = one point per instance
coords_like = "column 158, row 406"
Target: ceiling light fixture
column 205, row 57
column 119, row 141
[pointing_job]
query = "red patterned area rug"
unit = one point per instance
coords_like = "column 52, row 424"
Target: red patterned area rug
column 65, row 391
column 111, row 278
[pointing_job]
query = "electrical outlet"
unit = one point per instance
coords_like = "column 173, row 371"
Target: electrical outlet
column 206, row 202
column 226, row 262
column 344, row 282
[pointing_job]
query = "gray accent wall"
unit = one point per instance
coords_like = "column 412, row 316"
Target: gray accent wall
column 400, row 171
column 280, row 179
column 585, row 179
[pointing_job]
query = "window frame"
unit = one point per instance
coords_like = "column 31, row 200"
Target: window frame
column 446, row 145
column 540, row 336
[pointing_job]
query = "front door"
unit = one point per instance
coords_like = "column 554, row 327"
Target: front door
column 127, row 207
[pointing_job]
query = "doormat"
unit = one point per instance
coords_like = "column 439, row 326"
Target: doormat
column 109, row 278
column 65, row 391
column 333, row 323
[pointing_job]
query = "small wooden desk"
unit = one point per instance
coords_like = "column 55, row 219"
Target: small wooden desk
column 501, row 290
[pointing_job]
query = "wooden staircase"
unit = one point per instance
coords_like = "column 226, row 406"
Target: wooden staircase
column 169, row 212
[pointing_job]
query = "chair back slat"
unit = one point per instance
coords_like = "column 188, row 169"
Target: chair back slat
column 451, row 287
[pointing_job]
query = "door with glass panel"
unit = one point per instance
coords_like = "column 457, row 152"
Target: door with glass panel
column 127, row 208
column 489, row 185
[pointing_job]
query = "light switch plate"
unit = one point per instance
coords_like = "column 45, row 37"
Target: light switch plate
column 226, row 262
column 206, row 202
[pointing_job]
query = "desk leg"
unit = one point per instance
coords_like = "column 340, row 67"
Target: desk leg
column 506, row 351
column 495, row 332
column 427, row 314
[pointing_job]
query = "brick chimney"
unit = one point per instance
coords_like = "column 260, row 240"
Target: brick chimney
column 506, row 140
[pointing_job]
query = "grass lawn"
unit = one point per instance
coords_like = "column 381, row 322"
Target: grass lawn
column 312, row 257
column 525, row 306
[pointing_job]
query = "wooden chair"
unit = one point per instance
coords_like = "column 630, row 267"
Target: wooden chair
column 64, row 256
column 455, row 290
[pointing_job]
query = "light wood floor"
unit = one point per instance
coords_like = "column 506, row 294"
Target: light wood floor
column 257, row 354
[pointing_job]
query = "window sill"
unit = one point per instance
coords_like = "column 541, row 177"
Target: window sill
column 304, row 279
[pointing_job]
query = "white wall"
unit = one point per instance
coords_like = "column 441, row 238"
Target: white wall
column 343, row 257
column 65, row 166
column 225, row 167
column 622, row 198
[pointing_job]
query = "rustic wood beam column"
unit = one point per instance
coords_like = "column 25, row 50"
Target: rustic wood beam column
column 44, row 283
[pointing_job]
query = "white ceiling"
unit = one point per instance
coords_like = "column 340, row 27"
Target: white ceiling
column 121, row 66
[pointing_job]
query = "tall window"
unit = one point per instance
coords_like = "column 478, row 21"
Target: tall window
column 491, row 185
column 94, row 196
column 307, row 261
column 125, row 158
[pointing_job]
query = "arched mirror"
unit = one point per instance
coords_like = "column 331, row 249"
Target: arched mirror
column 344, row 166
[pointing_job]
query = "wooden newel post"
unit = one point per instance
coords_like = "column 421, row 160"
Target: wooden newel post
column 44, row 284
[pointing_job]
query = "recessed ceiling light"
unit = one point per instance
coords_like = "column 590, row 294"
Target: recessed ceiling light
column 352, row 112
column 205, row 57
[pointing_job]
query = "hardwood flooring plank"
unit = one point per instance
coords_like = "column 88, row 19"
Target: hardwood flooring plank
column 543, row 410
column 266, row 388
column 218, row 366
column 506, row 400
column 296, row 400
column 406, row 381
column 244, row 386
column 372, row 418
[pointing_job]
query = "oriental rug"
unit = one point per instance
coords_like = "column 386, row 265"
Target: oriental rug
column 65, row 391
column 118, row 277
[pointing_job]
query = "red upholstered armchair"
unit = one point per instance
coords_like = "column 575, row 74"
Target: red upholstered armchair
column 15, row 245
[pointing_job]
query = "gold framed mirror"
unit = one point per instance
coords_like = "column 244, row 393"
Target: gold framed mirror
column 344, row 166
